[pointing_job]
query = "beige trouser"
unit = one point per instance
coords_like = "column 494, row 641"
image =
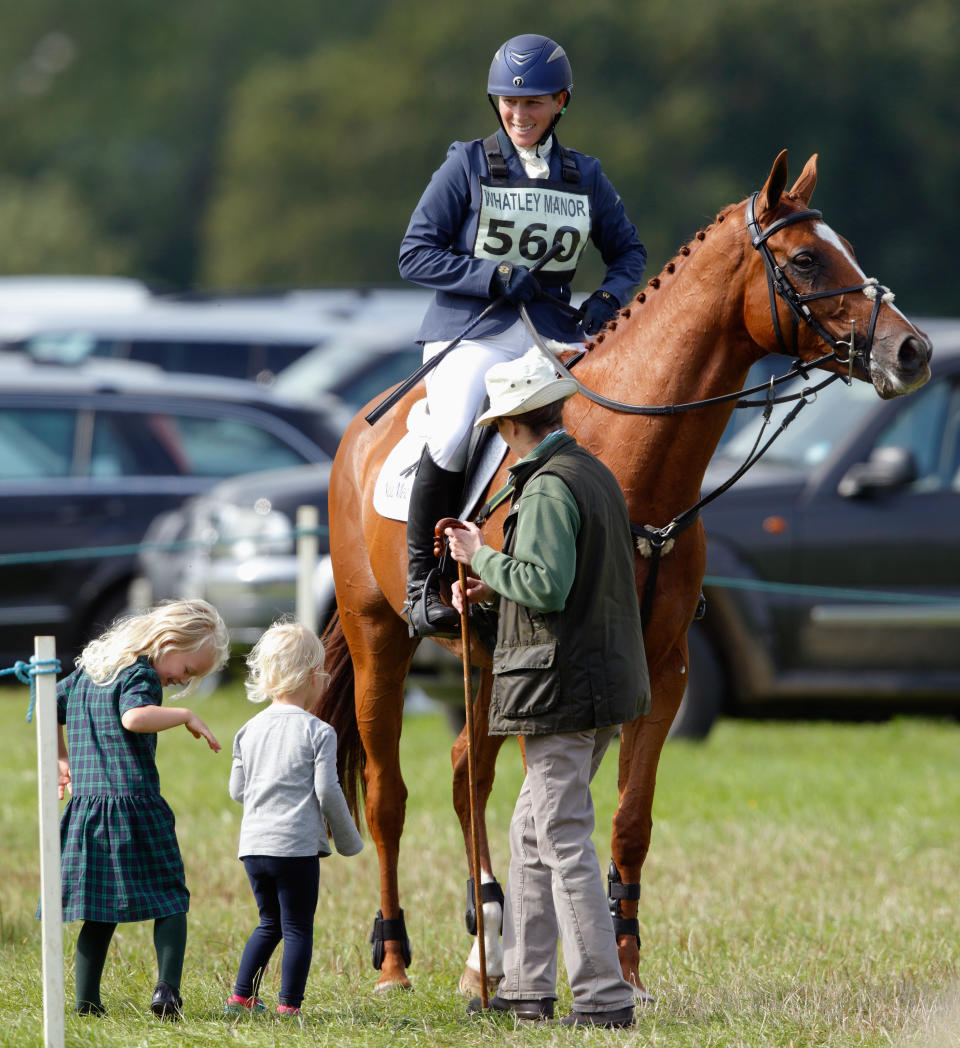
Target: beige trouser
column 554, row 888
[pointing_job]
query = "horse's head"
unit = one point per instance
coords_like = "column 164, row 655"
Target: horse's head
column 810, row 296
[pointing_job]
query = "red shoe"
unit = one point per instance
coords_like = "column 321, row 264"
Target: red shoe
column 287, row 1011
column 237, row 1005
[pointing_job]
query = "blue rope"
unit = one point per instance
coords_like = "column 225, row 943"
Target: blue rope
column 840, row 592
column 132, row 548
column 27, row 673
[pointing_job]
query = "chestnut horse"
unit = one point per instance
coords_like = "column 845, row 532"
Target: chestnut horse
column 739, row 290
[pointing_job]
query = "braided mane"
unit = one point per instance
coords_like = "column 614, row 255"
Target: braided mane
column 654, row 283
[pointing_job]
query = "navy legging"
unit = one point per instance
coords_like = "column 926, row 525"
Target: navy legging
column 286, row 893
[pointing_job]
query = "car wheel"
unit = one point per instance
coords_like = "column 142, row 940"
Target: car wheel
column 702, row 702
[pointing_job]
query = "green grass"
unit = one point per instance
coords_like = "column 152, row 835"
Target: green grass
column 801, row 890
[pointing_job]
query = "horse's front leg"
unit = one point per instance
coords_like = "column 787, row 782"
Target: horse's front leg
column 491, row 895
column 379, row 704
column 640, row 745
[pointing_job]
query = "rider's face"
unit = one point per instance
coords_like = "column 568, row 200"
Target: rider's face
column 527, row 118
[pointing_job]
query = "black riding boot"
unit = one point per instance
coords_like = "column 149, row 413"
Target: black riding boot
column 433, row 496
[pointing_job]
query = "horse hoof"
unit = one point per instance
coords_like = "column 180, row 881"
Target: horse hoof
column 642, row 996
column 389, row 984
column 470, row 983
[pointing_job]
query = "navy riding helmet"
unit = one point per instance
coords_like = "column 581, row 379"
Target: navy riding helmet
column 529, row 64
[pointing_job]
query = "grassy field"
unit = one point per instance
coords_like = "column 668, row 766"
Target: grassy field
column 801, row 891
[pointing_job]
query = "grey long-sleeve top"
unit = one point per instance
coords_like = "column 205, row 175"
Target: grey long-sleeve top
column 284, row 772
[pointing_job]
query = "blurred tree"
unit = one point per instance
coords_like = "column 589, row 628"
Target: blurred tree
column 687, row 104
column 246, row 144
column 125, row 100
column 47, row 228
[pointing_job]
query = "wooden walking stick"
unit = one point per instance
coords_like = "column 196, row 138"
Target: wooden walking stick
column 450, row 522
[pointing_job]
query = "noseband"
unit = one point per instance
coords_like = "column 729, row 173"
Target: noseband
column 778, row 283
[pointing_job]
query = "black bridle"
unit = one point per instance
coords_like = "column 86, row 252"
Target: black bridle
column 778, row 285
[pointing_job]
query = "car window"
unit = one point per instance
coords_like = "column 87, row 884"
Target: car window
column 237, row 359
column 927, row 425
column 36, row 444
column 352, row 368
column 381, row 374
column 810, row 438
column 229, row 359
column 120, row 448
column 215, row 447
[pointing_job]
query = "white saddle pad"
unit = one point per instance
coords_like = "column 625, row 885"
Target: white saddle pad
column 391, row 493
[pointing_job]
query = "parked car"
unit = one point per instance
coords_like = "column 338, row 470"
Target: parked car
column 236, row 340
column 254, row 336
column 367, row 355
column 241, row 537
column 833, row 566
column 26, row 301
column 90, row 455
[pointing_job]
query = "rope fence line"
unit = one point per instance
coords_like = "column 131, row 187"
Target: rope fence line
column 27, row 673
column 841, row 592
column 132, row 548
column 721, row 581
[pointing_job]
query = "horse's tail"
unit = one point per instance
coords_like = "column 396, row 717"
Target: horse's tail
column 337, row 706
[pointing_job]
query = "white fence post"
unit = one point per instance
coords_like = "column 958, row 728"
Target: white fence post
column 51, row 907
column 307, row 548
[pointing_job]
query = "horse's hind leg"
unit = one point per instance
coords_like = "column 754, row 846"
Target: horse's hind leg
column 486, row 748
column 381, row 658
column 640, row 745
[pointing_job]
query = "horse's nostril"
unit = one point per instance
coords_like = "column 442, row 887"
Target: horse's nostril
column 914, row 353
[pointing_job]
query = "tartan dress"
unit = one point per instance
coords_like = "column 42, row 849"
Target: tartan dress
column 120, row 860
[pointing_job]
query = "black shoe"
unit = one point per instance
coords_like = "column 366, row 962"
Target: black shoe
column 89, row 1008
column 166, row 1002
column 534, row 1009
column 613, row 1019
column 427, row 615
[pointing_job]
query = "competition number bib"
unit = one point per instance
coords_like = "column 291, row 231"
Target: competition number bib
column 520, row 221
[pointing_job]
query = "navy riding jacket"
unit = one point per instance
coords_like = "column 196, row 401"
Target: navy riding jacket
column 440, row 249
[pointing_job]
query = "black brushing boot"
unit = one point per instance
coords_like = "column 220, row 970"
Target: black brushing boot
column 434, row 495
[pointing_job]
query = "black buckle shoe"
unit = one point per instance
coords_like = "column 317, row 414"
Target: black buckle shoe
column 533, row 1009
column 166, row 1002
column 612, row 1019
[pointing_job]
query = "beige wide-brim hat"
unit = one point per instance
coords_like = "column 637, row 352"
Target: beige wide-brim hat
column 520, row 385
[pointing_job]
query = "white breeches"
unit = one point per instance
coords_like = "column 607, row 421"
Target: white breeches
column 455, row 389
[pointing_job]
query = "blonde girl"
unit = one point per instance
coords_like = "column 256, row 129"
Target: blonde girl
column 120, row 856
column 284, row 772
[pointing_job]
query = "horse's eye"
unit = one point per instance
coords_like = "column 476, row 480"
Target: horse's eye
column 803, row 260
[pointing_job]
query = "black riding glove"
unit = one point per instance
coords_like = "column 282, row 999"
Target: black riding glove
column 514, row 283
column 600, row 307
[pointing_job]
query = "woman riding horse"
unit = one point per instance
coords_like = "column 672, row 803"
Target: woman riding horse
column 493, row 209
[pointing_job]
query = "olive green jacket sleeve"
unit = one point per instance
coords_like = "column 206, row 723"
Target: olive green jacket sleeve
column 540, row 573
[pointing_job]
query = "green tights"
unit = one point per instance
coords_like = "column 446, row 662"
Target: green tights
column 169, row 940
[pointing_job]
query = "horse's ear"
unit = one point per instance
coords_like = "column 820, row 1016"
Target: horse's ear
column 774, row 186
column 805, row 184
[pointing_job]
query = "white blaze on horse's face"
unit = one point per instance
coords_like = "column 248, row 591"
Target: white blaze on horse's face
column 884, row 365
column 824, row 232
